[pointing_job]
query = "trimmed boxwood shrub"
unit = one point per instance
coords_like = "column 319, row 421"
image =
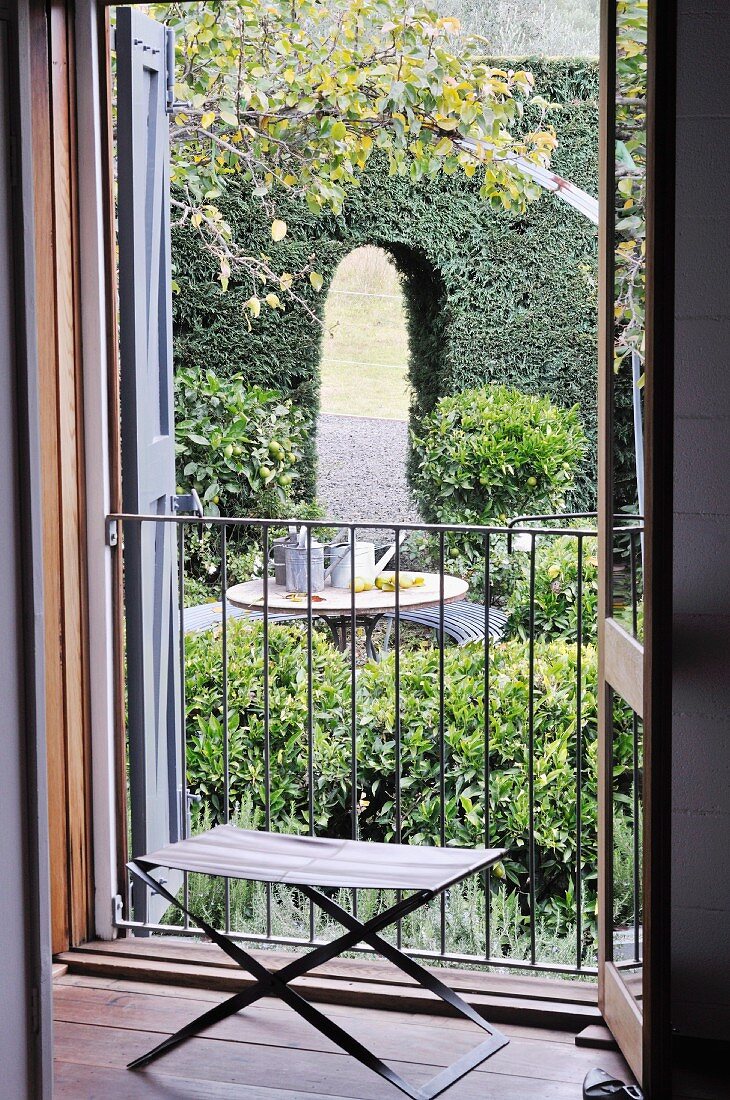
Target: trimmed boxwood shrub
column 486, row 454
column 491, row 296
column 555, row 745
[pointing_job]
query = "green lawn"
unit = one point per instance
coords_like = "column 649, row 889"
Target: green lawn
column 365, row 345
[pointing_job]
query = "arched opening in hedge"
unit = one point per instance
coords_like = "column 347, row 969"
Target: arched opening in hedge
column 364, row 350
column 381, row 352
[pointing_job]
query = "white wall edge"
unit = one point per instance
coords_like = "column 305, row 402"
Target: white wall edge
column 97, row 462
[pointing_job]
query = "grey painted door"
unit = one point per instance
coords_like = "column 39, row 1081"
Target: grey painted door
column 148, row 454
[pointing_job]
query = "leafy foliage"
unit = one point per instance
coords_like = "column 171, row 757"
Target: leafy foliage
column 630, row 168
column 555, row 746
column 238, row 447
column 484, row 456
column 556, row 591
column 295, row 94
column 288, row 706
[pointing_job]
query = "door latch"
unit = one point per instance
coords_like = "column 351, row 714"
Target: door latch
column 187, row 504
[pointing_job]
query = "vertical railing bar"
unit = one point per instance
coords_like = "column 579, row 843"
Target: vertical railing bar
column 224, row 701
column 310, row 710
column 531, row 754
column 442, row 735
column 634, row 597
column 396, row 531
column 267, row 717
column 353, row 700
column 487, row 776
column 579, row 762
column 636, row 836
column 183, row 709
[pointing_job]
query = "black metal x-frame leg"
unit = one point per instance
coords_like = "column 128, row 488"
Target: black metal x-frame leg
column 277, row 984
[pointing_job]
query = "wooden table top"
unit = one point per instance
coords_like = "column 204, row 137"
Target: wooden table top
column 338, row 601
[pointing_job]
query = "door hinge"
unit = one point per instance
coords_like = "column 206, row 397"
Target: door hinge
column 112, row 532
column 187, row 504
column 170, row 104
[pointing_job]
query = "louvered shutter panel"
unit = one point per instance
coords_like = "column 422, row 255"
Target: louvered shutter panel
column 148, row 439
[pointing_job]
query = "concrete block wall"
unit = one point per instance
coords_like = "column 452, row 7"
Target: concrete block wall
column 701, row 676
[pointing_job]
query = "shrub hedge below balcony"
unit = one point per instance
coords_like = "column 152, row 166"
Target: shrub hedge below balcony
column 555, row 747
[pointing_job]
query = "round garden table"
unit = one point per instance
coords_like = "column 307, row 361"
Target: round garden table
column 334, row 605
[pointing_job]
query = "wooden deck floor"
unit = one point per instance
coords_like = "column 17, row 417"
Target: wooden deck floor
column 269, row 1053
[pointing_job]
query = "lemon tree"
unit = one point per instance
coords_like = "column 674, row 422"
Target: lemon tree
column 296, row 95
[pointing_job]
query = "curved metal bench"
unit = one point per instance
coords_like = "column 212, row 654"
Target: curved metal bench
column 206, row 615
column 463, row 622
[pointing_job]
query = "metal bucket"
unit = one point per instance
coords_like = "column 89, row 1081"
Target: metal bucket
column 279, row 555
column 341, row 572
column 296, row 568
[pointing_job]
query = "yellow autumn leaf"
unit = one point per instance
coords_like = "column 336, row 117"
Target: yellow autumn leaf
column 316, row 280
column 278, row 229
column 253, row 305
column 207, row 120
column 273, row 301
column 450, row 24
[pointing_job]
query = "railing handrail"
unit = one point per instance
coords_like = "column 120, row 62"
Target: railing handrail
column 576, row 515
column 360, row 525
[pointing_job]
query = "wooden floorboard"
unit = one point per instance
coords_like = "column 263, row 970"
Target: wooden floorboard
column 501, row 998
column 205, row 997
column 365, row 969
column 269, row 1052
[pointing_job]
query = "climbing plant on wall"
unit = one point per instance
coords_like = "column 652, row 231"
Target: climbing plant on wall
column 492, row 295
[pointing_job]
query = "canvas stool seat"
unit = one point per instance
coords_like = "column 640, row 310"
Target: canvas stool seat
column 314, row 864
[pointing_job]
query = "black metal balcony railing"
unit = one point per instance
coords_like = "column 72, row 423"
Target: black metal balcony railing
column 538, row 890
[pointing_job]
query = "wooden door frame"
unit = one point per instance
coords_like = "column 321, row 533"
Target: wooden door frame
column 648, row 1049
column 63, row 467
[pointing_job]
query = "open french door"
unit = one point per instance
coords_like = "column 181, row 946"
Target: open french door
column 637, row 75
column 148, row 441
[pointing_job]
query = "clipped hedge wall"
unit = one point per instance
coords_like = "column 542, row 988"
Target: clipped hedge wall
column 491, row 296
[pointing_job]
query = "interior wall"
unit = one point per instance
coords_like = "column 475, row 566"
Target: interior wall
column 701, row 675
column 14, row 1004
column 25, row 1002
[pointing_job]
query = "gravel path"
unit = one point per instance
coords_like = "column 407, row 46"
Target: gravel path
column 362, row 469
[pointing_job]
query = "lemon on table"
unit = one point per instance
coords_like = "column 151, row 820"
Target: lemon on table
column 419, row 580
column 358, row 584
